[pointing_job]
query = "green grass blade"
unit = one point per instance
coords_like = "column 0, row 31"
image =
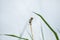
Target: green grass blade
column 14, row 36
column 29, row 35
column 42, row 32
column 57, row 38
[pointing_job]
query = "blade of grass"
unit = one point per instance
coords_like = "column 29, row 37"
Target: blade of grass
column 14, row 36
column 42, row 32
column 29, row 35
column 22, row 33
column 24, row 29
column 57, row 38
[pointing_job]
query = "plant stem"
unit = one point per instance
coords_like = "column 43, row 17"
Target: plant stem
column 30, row 22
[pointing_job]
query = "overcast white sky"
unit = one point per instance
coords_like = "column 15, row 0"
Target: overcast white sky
column 15, row 14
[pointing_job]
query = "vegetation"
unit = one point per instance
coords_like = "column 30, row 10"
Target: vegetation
column 57, row 38
column 56, row 35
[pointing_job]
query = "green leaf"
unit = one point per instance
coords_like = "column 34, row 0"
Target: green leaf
column 11, row 35
column 14, row 36
column 57, row 38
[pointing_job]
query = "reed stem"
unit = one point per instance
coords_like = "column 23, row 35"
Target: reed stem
column 30, row 22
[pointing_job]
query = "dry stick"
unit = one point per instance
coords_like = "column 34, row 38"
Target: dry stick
column 30, row 22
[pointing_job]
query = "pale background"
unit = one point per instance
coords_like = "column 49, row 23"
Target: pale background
column 15, row 14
